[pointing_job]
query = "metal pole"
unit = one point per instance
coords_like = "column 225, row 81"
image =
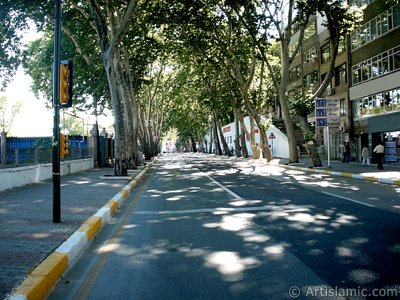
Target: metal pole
column 329, row 146
column 56, row 106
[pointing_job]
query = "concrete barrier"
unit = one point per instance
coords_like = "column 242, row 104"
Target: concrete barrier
column 19, row 176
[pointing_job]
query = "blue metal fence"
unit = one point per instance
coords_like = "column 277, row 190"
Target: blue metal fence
column 33, row 150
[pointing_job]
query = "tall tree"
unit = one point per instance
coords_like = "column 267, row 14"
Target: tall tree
column 268, row 15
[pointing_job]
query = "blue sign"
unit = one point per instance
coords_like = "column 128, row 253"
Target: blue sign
column 320, row 112
column 320, row 102
column 321, row 122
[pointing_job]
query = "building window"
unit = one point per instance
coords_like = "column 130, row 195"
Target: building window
column 380, row 103
column 310, row 30
column 310, row 55
column 310, row 79
column 365, row 71
column 342, row 45
column 325, row 53
column 294, row 74
column 343, row 107
column 384, row 63
column 377, row 26
column 341, row 75
column 396, row 59
column 396, row 16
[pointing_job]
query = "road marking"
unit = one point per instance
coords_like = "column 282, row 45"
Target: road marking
column 348, row 199
column 226, row 209
column 236, row 196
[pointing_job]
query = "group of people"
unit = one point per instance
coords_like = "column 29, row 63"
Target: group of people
column 379, row 150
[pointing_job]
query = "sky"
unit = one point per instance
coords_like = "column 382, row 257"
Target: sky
column 34, row 119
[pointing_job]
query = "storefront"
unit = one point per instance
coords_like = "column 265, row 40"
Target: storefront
column 386, row 128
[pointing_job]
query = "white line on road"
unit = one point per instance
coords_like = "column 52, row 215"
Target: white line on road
column 236, row 196
column 286, row 208
column 348, row 199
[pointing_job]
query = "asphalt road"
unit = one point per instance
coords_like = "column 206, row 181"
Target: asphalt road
column 208, row 228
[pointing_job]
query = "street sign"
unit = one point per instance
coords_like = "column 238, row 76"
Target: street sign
column 272, row 136
column 327, row 112
column 333, row 112
column 321, row 112
column 327, row 115
column 321, row 122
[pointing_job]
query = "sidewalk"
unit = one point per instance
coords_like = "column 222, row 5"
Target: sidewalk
column 27, row 232
column 389, row 175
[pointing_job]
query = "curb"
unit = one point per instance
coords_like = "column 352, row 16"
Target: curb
column 344, row 174
column 41, row 281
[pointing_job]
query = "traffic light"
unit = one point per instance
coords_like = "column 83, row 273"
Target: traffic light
column 66, row 74
column 63, row 145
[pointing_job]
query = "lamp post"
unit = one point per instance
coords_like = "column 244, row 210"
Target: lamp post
column 56, row 105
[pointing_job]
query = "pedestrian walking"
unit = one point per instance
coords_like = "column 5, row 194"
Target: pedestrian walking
column 365, row 155
column 346, row 152
column 379, row 150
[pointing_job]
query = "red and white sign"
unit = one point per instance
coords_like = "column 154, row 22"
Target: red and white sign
column 272, row 136
column 227, row 129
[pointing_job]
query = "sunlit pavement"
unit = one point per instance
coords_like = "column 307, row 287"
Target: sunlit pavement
column 27, row 232
column 390, row 174
column 208, row 227
column 241, row 241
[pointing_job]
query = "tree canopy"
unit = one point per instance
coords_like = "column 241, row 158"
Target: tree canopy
column 162, row 65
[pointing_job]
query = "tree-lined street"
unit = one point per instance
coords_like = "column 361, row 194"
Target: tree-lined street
column 202, row 227
column 216, row 104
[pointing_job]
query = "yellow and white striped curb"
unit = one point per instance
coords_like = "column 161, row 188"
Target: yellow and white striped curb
column 41, row 281
column 344, row 174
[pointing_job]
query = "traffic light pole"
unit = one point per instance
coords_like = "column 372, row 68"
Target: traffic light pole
column 56, row 106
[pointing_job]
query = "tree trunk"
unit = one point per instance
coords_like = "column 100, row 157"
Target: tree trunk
column 314, row 155
column 224, row 144
column 194, row 148
column 254, row 148
column 266, row 151
column 245, row 152
column 127, row 108
column 245, row 135
column 120, row 167
column 218, row 150
column 133, row 112
column 211, row 138
column 238, row 151
column 105, row 29
column 284, row 103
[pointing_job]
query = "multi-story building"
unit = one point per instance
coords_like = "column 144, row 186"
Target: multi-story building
column 309, row 69
column 375, row 78
column 366, row 81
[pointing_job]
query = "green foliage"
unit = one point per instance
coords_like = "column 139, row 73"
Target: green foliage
column 300, row 103
column 309, row 134
column 187, row 52
column 16, row 17
column 71, row 125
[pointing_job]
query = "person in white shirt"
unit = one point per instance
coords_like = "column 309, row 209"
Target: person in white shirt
column 379, row 150
column 365, row 155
